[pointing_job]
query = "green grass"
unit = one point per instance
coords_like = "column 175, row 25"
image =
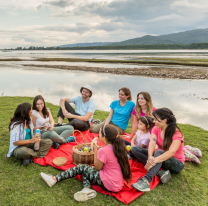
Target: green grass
column 148, row 61
column 21, row 185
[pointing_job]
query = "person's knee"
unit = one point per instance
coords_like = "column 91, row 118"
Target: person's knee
column 70, row 127
column 46, row 142
column 95, row 128
column 79, row 124
column 136, row 150
column 158, row 153
column 75, row 123
column 22, row 153
column 66, row 103
column 49, row 134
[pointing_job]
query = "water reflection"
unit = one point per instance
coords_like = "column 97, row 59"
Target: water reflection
column 106, row 54
column 181, row 96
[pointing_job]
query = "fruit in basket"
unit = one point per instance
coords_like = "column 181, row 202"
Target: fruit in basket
column 128, row 148
column 86, row 149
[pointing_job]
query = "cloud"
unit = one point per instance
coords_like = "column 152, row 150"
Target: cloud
column 58, row 22
column 61, row 3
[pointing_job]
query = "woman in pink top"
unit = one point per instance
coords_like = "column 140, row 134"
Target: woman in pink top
column 111, row 167
column 168, row 139
column 144, row 107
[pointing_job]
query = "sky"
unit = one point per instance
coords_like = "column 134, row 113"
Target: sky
column 25, row 23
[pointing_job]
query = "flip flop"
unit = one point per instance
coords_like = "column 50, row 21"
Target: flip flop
column 84, row 195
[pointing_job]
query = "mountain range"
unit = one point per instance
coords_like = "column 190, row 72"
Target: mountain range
column 186, row 37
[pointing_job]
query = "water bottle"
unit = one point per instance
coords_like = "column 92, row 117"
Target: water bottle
column 37, row 144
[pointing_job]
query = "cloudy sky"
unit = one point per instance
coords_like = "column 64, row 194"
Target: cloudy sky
column 58, row 22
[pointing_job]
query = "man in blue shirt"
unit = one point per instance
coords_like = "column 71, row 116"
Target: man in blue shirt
column 79, row 118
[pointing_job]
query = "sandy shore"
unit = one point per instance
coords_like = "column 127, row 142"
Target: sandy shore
column 158, row 72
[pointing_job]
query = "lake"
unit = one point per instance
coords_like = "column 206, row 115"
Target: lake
column 183, row 97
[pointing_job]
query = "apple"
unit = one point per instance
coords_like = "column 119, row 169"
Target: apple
column 128, row 148
column 86, row 149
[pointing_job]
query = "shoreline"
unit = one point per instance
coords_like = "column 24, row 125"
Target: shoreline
column 144, row 60
column 154, row 72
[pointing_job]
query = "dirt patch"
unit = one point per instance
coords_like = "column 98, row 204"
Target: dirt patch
column 158, row 72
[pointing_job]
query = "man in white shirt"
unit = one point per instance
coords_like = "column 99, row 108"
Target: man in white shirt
column 79, row 118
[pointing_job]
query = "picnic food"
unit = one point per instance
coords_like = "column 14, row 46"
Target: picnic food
column 85, row 149
column 128, row 148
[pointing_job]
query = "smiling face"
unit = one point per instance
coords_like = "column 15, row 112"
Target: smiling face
column 86, row 93
column 122, row 96
column 159, row 123
column 39, row 104
column 142, row 102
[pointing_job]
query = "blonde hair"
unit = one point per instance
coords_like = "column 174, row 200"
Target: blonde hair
column 149, row 104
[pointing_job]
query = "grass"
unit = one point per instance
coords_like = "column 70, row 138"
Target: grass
column 23, row 186
column 176, row 59
column 148, row 61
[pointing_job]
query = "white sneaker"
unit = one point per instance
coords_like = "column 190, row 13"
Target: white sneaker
column 48, row 179
column 84, row 195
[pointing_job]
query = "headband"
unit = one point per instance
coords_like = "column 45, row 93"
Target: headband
column 146, row 120
column 104, row 130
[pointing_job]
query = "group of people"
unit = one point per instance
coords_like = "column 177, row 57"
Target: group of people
column 157, row 144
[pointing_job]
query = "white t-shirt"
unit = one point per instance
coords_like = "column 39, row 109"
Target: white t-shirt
column 39, row 119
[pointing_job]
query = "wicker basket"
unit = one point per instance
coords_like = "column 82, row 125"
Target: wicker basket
column 79, row 157
column 59, row 161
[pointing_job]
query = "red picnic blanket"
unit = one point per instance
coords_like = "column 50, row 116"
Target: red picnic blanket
column 126, row 195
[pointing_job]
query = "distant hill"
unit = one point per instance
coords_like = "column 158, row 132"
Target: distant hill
column 187, row 37
column 184, row 38
column 86, row 44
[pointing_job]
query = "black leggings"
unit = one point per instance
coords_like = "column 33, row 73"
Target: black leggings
column 172, row 164
column 76, row 123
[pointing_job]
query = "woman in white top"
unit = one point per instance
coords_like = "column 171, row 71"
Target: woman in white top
column 43, row 120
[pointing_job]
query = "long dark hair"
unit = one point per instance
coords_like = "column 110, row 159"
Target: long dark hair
column 44, row 110
column 127, row 92
column 119, row 149
column 165, row 113
column 20, row 115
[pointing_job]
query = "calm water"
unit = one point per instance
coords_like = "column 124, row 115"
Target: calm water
column 107, row 54
column 184, row 97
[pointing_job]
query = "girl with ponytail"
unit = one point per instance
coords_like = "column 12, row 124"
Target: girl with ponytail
column 111, row 166
column 168, row 139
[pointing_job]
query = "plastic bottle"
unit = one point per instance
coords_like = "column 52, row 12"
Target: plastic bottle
column 37, row 144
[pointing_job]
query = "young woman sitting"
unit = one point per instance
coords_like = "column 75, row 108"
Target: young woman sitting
column 111, row 167
column 144, row 107
column 43, row 120
column 21, row 136
column 168, row 141
column 120, row 112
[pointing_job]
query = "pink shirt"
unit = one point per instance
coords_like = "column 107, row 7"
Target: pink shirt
column 142, row 139
column 142, row 113
column 177, row 136
column 111, row 174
